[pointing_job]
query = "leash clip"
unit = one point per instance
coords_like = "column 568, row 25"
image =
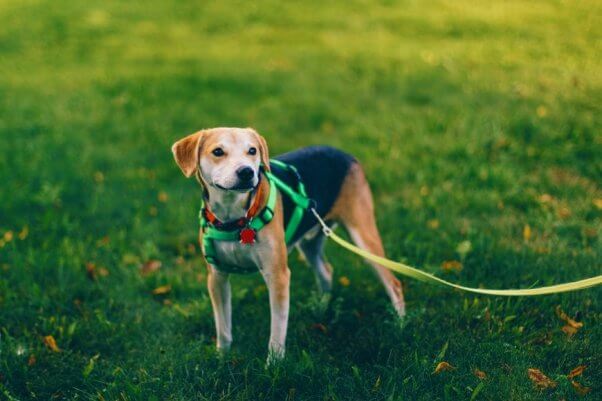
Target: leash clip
column 325, row 229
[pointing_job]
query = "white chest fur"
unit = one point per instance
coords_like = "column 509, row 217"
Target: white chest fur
column 232, row 255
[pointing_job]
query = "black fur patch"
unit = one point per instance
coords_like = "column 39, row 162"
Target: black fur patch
column 322, row 169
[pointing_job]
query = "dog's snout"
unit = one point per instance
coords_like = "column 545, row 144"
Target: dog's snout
column 245, row 173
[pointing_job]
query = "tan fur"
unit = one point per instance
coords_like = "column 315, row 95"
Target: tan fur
column 354, row 208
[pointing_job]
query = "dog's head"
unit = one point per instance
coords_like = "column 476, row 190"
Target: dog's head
column 226, row 158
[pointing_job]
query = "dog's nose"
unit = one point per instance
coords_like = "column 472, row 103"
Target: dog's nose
column 245, row 173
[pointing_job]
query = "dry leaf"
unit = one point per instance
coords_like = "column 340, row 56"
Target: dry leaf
column 540, row 380
column 99, row 177
column 50, row 342
column 598, row 203
column 344, row 281
column 480, row 374
column 443, row 366
column 570, row 331
column 23, row 233
column 563, row 316
column 32, row 360
column 162, row 197
column 150, row 266
column 91, row 270
column 319, row 327
column 527, row 232
column 541, row 111
column 433, row 224
column 164, row 289
column 103, row 272
column 578, row 371
column 579, row 389
column 8, row 236
column 564, row 212
column 451, row 265
column 546, row 198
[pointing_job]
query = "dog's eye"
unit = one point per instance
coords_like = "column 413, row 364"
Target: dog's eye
column 252, row 151
column 218, row 152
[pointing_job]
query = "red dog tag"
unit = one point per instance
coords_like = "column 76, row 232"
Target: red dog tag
column 247, row 236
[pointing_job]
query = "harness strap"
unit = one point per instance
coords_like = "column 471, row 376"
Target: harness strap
column 299, row 198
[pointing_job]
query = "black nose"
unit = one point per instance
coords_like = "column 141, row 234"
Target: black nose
column 245, row 173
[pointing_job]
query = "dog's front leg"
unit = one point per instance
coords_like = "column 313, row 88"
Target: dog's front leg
column 218, row 284
column 277, row 279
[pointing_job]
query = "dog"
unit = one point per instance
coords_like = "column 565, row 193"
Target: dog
column 230, row 165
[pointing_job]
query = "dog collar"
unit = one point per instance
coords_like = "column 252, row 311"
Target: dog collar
column 241, row 223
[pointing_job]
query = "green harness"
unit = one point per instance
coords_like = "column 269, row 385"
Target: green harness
column 211, row 233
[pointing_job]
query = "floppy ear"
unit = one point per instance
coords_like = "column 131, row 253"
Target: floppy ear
column 263, row 151
column 186, row 152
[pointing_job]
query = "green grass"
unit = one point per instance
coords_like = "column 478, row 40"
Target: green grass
column 461, row 112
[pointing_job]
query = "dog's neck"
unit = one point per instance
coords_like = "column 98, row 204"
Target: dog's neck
column 227, row 205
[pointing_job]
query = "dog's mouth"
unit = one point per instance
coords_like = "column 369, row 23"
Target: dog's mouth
column 241, row 187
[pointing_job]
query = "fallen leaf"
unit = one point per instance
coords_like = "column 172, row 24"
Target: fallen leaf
column 103, row 272
column 150, row 266
column 540, row 380
column 162, row 197
column 344, row 281
column 598, row 203
column 8, row 236
column 546, row 198
column 579, row 389
column 527, row 232
column 451, row 265
column 563, row 316
column 578, row 371
column 570, row 331
column 443, row 366
column 541, row 111
column 50, row 342
column 32, row 360
column 23, row 233
column 480, row 374
column 433, row 224
column 99, row 177
column 564, row 212
column 320, row 327
column 91, row 271
column 164, row 289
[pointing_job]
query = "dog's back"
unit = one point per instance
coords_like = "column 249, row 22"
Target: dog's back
column 323, row 170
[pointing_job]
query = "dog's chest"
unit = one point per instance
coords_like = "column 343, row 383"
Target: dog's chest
column 233, row 256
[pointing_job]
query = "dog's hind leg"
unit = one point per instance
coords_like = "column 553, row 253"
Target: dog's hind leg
column 312, row 248
column 355, row 210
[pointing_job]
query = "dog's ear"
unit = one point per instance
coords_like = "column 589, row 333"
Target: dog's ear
column 263, row 150
column 186, row 152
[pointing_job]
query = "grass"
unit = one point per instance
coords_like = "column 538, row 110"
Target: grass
column 474, row 120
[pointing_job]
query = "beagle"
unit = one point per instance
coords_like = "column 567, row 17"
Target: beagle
column 230, row 165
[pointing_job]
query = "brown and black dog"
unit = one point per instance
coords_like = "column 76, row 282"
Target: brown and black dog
column 227, row 162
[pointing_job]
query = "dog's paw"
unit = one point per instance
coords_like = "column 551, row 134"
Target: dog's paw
column 275, row 356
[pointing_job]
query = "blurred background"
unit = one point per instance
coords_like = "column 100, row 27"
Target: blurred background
column 478, row 124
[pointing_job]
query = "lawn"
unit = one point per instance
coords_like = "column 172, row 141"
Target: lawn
column 478, row 124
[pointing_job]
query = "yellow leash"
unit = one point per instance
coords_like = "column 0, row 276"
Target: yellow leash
column 429, row 278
